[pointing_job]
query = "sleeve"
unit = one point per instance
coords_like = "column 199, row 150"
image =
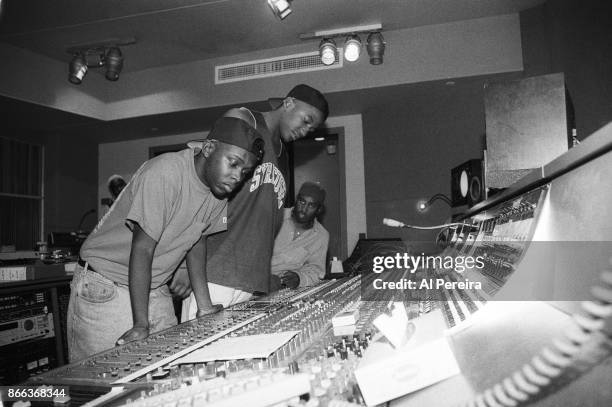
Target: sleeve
column 313, row 269
column 218, row 222
column 291, row 258
column 154, row 193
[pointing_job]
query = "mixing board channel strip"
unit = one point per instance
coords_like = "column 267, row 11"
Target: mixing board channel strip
column 314, row 290
column 135, row 358
column 258, row 389
column 190, row 349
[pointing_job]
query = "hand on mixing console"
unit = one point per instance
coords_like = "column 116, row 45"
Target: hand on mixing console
column 290, row 279
column 134, row 334
column 207, row 311
column 275, row 283
column 180, row 284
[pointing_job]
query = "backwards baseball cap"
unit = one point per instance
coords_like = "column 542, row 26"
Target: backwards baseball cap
column 311, row 96
column 237, row 132
column 313, row 190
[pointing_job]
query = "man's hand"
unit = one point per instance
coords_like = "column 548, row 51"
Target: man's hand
column 134, row 334
column 290, row 279
column 275, row 283
column 213, row 309
column 180, row 284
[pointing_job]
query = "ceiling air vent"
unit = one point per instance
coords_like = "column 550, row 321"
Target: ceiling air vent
column 263, row 68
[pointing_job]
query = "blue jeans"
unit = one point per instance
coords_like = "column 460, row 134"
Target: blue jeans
column 100, row 312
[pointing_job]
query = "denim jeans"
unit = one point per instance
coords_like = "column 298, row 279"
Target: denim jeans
column 99, row 312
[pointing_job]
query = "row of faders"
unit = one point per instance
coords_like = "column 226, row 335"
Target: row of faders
column 315, row 368
column 147, row 362
column 123, row 364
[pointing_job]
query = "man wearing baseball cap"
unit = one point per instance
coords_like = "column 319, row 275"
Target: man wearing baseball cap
column 239, row 260
column 301, row 245
column 119, row 291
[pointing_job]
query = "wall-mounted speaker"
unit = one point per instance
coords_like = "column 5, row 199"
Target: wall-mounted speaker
column 467, row 183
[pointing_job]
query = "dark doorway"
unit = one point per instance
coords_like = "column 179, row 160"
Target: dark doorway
column 317, row 159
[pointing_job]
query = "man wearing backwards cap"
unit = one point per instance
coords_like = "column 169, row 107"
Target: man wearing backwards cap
column 119, row 291
column 300, row 247
column 240, row 258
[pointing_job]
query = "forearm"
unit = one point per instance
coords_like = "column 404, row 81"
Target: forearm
column 141, row 259
column 313, row 268
column 196, row 267
column 310, row 274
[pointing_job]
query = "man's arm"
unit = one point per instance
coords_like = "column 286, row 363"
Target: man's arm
column 313, row 269
column 141, row 259
column 196, row 266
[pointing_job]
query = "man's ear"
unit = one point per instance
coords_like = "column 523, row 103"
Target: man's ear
column 209, row 147
column 320, row 209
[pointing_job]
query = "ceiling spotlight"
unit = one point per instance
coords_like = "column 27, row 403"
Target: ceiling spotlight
column 280, row 8
column 77, row 69
column 327, row 51
column 114, row 63
column 376, row 48
column 96, row 56
column 352, row 48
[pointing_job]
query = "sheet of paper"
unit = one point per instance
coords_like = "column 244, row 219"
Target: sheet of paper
column 395, row 327
column 241, row 347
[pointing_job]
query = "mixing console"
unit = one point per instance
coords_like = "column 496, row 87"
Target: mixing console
column 124, row 363
column 499, row 236
column 316, row 366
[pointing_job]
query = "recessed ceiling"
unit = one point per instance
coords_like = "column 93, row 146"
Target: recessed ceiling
column 177, row 31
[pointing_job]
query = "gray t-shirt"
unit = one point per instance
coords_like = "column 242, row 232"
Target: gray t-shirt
column 170, row 203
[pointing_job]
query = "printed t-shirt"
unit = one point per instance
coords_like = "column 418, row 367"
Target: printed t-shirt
column 169, row 202
column 240, row 257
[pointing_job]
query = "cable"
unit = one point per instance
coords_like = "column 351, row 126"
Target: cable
column 397, row 224
column 552, row 361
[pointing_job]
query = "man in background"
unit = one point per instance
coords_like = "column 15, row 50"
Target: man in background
column 300, row 248
column 115, row 185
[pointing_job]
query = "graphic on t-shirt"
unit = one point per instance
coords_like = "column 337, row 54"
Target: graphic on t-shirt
column 268, row 173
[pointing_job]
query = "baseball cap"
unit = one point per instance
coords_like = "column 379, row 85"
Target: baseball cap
column 313, row 190
column 237, row 132
column 307, row 94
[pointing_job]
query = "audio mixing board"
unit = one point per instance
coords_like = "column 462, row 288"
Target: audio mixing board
column 316, row 367
column 318, row 361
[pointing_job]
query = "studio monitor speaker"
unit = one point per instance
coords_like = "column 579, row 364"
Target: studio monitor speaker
column 467, row 183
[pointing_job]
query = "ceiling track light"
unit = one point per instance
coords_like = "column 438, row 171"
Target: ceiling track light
column 376, row 47
column 95, row 58
column 114, row 63
column 352, row 48
column 105, row 53
column 352, row 43
column 77, row 69
column 328, row 51
column 280, row 8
